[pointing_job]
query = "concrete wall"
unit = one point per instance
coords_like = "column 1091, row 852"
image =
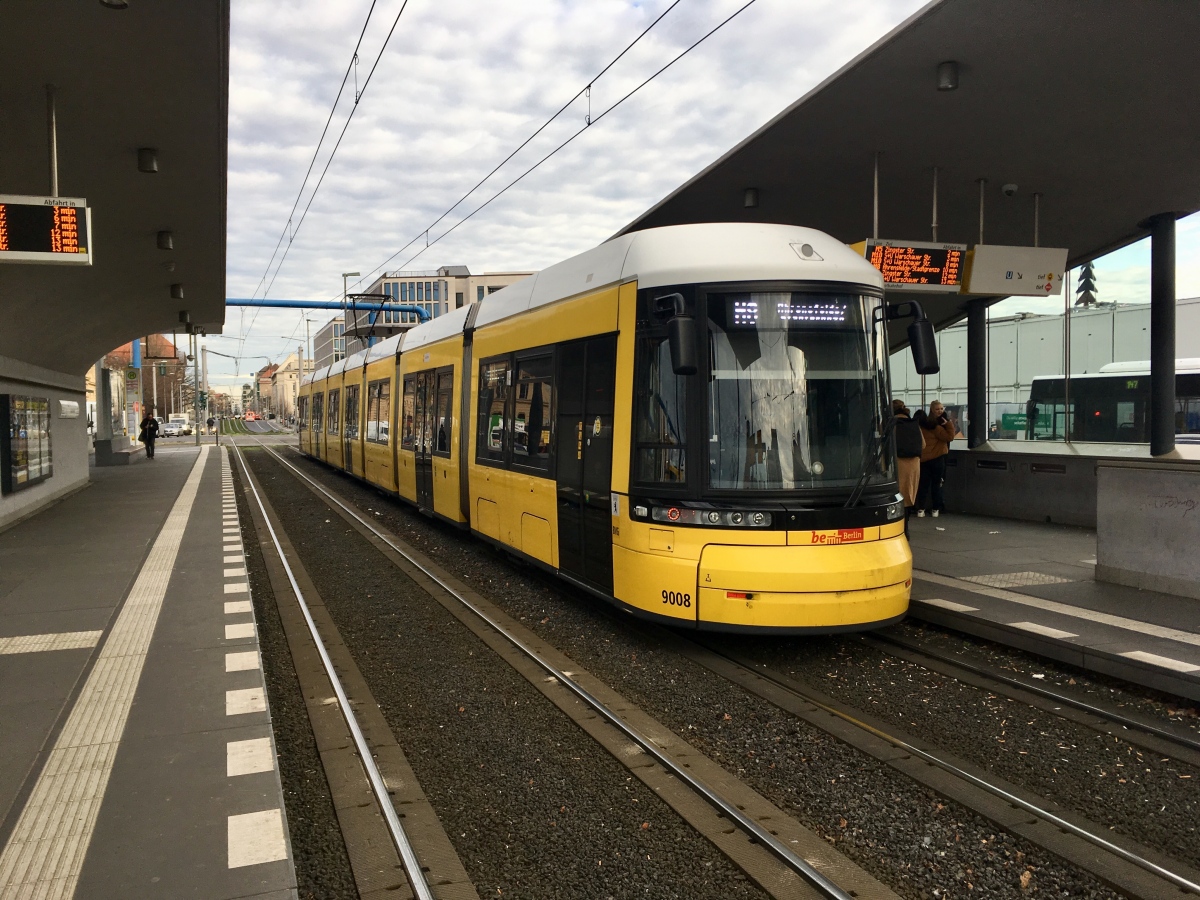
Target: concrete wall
column 1036, row 488
column 1149, row 526
column 69, row 440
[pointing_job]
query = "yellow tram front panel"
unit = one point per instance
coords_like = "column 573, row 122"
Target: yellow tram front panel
column 751, row 578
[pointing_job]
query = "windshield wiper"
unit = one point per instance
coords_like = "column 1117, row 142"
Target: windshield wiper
column 871, row 461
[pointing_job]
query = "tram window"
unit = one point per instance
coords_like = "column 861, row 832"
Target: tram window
column 332, row 419
column 408, row 413
column 379, row 408
column 661, row 452
column 444, row 412
column 352, row 412
column 532, row 416
column 494, row 378
column 318, row 406
column 302, row 413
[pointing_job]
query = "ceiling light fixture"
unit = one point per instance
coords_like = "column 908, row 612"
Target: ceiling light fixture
column 751, row 198
column 166, row 240
column 947, row 76
column 177, row 292
column 148, row 160
column 115, row 4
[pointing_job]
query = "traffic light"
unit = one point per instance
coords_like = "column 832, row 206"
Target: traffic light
column 203, row 399
column 162, row 369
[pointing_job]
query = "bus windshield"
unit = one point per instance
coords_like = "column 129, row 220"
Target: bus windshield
column 797, row 391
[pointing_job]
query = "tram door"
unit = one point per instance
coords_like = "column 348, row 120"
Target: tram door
column 586, row 382
column 425, row 408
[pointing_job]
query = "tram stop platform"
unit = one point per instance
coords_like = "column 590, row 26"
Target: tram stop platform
column 137, row 757
column 1033, row 586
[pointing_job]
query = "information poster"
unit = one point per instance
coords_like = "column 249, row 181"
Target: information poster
column 25, row 455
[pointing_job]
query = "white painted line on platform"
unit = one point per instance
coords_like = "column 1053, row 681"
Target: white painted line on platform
column 1160, row 631
column 256, row 838
column 46, row 849
column 238, row 606
column 239, row 587
column 248, row 757
column 244, row 661
column 239, row 630
column 1089, row 562
column 247, row 700
column 39, row 643
column 230, row 532
column 950, row 605
column 235, row 558
column 1164, row 662
column 239, row 572
column 1044, row 630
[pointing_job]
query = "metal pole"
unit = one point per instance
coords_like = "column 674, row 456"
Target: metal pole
column 1066, row 358
column 1037, row 215
column 52, row 138
column 195, row 387
column 1162, row 334
column 935, row 221
column 875, row 220
column 977, row 373
column 982, row 185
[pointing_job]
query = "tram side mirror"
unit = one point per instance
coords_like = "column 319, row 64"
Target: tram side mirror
column 681, row 333
column 924, row 347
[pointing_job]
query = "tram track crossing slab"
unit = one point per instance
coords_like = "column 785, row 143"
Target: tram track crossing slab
column 715, row 826
column 990, row 862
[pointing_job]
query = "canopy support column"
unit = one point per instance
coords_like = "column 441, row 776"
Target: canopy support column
column 977, row 374
column 1162, row 333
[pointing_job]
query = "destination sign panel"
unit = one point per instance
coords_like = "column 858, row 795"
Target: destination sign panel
column 45, row 230
column 916, row 265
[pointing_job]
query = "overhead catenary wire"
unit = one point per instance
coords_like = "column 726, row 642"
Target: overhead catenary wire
column 358, row 96
column 592, row 121
column 581, row 92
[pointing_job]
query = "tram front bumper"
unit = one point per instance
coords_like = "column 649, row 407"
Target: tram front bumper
column 805, row 587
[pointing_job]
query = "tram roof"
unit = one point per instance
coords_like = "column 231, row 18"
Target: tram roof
column 154, row 75
column 1089, row 104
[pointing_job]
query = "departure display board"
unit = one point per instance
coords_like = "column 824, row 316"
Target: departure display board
column 916, row 266
column 45, row 230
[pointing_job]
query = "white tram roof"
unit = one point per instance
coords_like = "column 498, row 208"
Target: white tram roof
column 387, row 347
column 437, row 329
column 355, row 361
column 686, row 254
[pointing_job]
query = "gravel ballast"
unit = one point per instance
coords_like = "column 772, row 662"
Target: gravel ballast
column 534, row 807
column 919, row 844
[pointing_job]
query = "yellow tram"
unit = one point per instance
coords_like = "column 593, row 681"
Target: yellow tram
column 687, row 421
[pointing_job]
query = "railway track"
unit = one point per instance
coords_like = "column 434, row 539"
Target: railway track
column 1133, row 870
column 781, row 858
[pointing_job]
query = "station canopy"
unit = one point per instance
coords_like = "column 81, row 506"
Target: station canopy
column 1089, row 103
column 154, row 76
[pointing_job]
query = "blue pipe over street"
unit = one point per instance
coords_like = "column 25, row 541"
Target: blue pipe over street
column 364, row 305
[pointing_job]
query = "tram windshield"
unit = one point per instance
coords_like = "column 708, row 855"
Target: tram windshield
column 797, row 390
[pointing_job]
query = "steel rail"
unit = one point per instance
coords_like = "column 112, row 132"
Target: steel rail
column 1115, row 717
column 764, row 837
column 412, row 866
column 933, row 759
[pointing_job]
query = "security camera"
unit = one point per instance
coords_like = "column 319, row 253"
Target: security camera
column 1009, row 190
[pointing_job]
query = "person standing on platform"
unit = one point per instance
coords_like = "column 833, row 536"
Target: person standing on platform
column 910, row 441
column 938, row 430
column 149, row 433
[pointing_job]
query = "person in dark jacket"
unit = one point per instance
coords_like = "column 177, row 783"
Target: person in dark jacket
column 938, row 429
column 910, row 442
column 149, row 433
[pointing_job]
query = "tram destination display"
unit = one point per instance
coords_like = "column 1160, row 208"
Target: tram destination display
column 916, row 265
column 56, row 230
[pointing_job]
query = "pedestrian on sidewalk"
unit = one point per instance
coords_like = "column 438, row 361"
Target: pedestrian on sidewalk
column 938, row 430
column 910, row 441
column 149, row 433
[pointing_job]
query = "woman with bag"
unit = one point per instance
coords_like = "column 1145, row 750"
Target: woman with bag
column 149, row 433
column 938, row 429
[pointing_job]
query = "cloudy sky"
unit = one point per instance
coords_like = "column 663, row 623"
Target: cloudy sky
column 461, row 84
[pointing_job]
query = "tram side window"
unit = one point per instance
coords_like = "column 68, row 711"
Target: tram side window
column 494, row 379
column 532, row 418
column 408, row 413
column 661, row 423
column 302, row 413
column 444, row 413
column 332, row 418
column 379, row 408
column 351, row 412
column 318, row 403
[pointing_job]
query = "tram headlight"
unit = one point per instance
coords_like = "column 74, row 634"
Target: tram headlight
column 716, row 518
column 895, row 511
